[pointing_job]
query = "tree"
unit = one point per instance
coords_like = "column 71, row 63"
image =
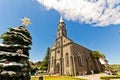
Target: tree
column 96, row 55
column 44, row 65
column 14, row 54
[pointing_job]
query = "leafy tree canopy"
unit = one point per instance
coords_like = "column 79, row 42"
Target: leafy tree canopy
column 97, row 54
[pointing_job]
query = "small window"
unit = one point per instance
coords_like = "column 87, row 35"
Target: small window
column 58, row 43
column 52, row 61
column 67, row 59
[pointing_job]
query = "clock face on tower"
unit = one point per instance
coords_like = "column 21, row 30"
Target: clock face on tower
column 58, row 51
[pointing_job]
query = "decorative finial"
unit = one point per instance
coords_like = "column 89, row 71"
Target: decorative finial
column 61, row 19
column 26, row 21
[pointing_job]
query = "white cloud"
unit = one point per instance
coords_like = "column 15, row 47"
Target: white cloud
column 95, row 12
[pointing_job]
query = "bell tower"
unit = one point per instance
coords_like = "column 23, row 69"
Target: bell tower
column 61, row 28
column 61, row 33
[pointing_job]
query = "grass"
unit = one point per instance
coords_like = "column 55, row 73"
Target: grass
column 118, row 73
column 56, row 78
column 34, row 78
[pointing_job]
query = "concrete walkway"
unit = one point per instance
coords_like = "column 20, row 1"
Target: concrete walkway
column 92, row 77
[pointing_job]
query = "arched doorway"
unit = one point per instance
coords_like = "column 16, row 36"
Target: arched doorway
column 57, row 68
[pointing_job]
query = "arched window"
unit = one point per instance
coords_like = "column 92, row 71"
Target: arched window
column 67, row 59
column 79, row 59
column 52, row 61
column 88, row 57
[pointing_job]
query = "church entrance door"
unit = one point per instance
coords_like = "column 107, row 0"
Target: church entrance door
column 57, row 68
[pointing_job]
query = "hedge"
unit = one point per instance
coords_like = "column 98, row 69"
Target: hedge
column 110, row 77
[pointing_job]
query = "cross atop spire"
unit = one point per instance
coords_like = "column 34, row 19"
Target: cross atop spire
column 61, row 19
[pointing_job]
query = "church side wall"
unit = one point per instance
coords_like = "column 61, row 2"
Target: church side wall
column 88, row 63
column 82, row 59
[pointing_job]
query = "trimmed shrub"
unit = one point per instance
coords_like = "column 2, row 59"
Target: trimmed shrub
column 110, row 77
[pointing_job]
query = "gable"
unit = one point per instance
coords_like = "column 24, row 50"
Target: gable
column 66, row 40
column 54, row 45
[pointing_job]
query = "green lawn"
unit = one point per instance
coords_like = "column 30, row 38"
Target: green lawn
column 118, row 73
column 56, row 78
column 34, row 78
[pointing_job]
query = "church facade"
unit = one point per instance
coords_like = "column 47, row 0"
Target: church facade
column 69, row 58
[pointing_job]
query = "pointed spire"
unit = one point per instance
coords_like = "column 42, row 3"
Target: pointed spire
column 61, row 19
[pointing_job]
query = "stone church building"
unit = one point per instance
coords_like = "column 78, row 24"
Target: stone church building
column 70, row 58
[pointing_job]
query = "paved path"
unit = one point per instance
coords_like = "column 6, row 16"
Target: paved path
column 92, row 77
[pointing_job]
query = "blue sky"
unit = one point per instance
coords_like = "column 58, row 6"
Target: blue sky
column 103, row 37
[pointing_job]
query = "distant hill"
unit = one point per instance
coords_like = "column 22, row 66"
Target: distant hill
column 115, row 66
column 36, row 65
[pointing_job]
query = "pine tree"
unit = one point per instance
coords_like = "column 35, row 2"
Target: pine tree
column 44, row 65
column 14, row 54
